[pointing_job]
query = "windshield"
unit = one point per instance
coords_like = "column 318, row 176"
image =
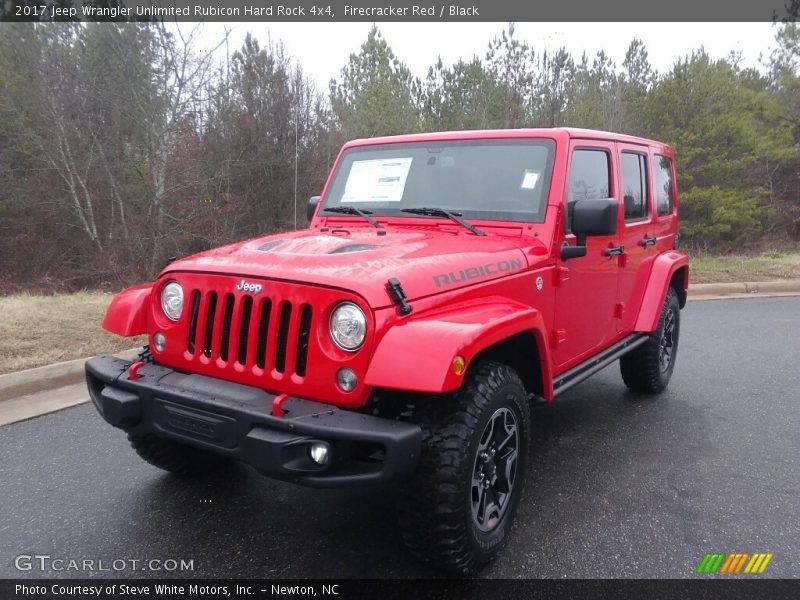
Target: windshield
column 501, row 180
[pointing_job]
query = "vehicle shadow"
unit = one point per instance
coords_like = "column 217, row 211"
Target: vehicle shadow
column 591, row 455
column 607, row 468
column 238, row 523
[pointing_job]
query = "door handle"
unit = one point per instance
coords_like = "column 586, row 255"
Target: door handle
column 615, row 251
column 648, row 241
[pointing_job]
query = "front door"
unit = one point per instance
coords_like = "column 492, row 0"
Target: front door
column 587, row 290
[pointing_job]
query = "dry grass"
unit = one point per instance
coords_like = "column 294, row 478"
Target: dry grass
column 769, row 266
column 39, row 330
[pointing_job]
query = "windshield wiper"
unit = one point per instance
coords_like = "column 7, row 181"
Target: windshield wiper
column 440, row 212
column 351, row 210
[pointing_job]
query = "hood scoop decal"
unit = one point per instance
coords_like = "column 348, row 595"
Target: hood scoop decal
column 354, row 248
column 269, row 245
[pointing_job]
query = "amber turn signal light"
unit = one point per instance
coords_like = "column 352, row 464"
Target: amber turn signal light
column 459, row 365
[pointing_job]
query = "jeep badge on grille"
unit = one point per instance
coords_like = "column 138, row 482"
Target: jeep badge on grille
column 249, row 287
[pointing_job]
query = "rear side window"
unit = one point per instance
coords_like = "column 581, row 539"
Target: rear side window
column 634, row 186
column 589, row 179
column 665, row 187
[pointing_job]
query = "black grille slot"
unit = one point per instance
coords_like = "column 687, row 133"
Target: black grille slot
column 212, row 309
column 193, row 320
column 226, row 327
column 244, row 329
column 263, row 329
column 302, row 341
column 283, row 337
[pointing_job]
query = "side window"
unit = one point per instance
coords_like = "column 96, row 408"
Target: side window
column 634, row 186
column 665, row 189
column 589, row 179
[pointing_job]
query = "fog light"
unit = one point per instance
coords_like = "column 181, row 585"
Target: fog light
column 347, row 380
column 160, row 342
column 319, row 453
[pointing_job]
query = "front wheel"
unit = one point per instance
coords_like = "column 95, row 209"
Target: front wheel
column 457, row 511
column 647, row 368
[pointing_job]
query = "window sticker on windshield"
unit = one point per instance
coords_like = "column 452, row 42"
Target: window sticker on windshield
column 529, row 180
column 381, row 180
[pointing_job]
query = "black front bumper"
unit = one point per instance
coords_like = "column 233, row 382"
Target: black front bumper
column 234, row 420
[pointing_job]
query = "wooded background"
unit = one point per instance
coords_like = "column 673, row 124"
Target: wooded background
column 121, row 145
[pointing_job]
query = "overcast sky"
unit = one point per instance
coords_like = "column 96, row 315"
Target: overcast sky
column 323, row 48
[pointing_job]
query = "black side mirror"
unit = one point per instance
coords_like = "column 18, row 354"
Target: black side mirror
column 312, row 207
column 595, row 217
column 591, row 217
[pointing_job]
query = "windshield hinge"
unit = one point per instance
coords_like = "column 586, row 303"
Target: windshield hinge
column 398, row 296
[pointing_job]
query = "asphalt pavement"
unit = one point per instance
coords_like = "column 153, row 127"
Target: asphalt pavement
column 617, row 486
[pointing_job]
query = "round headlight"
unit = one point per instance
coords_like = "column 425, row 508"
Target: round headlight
column 348, row 326
column 172, row 300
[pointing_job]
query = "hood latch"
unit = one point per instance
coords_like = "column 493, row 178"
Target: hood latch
column 398, row 296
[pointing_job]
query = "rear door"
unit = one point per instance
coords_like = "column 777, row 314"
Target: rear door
column 636, row 230
column 665, row 226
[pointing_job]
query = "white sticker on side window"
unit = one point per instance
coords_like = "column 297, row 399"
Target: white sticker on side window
column 381, row 180
column 529, row 180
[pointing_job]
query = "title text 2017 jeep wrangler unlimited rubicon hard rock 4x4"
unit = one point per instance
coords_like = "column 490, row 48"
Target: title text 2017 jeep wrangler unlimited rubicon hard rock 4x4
column 445, row 281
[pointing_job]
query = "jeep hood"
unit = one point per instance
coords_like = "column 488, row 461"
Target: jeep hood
column 425, row 261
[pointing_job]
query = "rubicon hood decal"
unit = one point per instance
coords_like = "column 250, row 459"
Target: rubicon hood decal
column 487, row 270
column 427, row 261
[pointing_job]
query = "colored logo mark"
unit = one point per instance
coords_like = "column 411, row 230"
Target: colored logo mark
column 734, row 563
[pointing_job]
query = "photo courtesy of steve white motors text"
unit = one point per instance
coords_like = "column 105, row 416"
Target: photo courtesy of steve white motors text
column 193, row 590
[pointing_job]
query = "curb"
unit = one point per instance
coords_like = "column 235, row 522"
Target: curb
column 30, row 381
column 787, row 286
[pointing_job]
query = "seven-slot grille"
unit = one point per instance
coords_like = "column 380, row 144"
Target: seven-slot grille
column 252, row 331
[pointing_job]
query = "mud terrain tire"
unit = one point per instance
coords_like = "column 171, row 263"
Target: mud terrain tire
column 648, row 368
column 475, row 435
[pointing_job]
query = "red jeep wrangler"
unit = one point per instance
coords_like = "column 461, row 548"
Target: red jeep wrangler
column 445, row 282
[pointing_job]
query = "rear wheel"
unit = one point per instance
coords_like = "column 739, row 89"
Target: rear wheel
column 647, row 369
column 457, row 511
column 174, row 457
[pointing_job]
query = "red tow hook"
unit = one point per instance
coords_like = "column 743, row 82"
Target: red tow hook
column 133, row 370
column 277, row 403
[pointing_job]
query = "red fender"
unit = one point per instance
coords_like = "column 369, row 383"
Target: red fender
column 664, row 267
column 417, row 353
column 127, row 314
